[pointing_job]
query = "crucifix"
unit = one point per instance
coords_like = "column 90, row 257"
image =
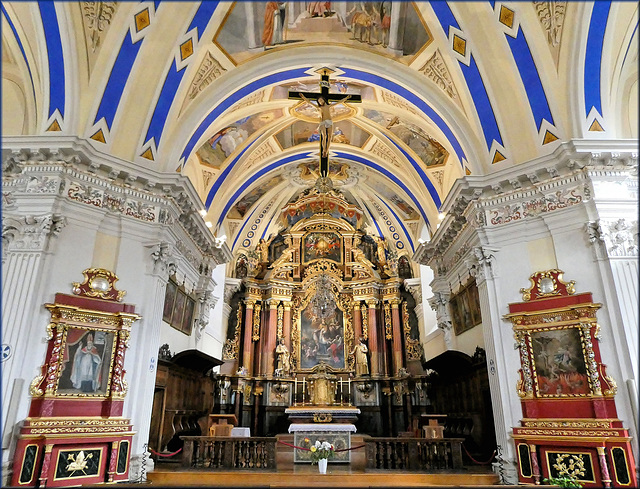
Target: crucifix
column 323, row 100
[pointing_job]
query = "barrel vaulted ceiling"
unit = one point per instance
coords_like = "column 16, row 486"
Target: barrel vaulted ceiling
column 448, row 89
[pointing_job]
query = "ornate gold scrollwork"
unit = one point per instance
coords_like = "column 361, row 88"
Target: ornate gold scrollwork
column 256, row 322
column 387, row 321
column 34, row 391
column 364, row 314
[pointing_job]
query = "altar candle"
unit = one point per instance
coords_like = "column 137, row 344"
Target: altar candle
column 303, row 382
column 295, row 391
column 341, row 391
column 349, row 385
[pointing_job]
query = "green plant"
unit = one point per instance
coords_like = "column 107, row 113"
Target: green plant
column 566, row 481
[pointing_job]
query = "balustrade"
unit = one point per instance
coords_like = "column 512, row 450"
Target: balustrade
column 205, row 452
column 413, row 454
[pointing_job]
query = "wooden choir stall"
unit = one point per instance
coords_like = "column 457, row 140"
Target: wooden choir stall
column 75, row 433
column 570, row 427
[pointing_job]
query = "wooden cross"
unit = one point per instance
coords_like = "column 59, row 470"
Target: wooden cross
column 328, row 97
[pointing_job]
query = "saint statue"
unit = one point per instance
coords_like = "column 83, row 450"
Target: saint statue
column 283, row 362
column 360, row 351
column 287, row 255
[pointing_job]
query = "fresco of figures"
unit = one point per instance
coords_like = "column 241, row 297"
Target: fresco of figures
column 252, row 27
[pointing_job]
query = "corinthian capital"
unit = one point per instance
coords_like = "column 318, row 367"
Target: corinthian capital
column 30, row 233
column 231, row 286
column 414, row 286
column 481, row 265
column 439, row 303
column 164, row 260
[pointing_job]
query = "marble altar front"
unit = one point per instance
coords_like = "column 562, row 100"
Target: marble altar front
column 338, row 434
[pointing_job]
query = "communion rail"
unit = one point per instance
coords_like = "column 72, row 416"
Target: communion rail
column 413, row 454
column 206, row 452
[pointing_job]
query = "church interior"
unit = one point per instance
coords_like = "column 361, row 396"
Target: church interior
column 406, row 229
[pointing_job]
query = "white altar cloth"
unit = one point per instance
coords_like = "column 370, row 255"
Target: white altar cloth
column 322, row 427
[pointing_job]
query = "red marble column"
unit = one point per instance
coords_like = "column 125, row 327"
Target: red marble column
column 398, row 358
column 268, row 353
column 46, row 465
column 604, row 470
column 374, row 349
column 535, row 467
column 112, row 461
column 286, row 324
column 357, row 321
column 247, row 345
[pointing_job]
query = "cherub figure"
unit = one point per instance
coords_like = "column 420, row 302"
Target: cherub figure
column 326, row 122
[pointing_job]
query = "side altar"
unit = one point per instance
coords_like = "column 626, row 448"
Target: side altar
column 320, row 416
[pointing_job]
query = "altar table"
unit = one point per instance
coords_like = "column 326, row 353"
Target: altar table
column 338, row 434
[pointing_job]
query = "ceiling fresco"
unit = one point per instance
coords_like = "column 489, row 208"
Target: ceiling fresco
column 301, row 132
column 448, row 89
column 252, row 27
column 430, row 151
column 219, row 147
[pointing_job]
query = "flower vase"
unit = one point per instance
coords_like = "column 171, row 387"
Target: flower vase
column 322, row 465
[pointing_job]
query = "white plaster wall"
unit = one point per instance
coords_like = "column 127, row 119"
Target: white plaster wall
column 469, row 340
column 429, row 315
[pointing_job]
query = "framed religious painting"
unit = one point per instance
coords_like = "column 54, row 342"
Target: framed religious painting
column 322, row 245
column 169, row 301
column 559, row 367
column 465, row 309
column 86, row 362
column 187, row 318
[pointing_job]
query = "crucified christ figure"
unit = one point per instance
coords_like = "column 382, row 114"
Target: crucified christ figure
column 326, row 123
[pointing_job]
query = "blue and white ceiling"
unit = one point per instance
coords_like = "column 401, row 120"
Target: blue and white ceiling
column 447, row 88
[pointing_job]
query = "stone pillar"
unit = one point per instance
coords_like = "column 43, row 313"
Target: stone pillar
column 146, row 342
column 374, row 348
column 286, row 324
column 267, row 365
column 357, row 321
column 247, row 343
column 398, row 357
column 252, row 37
column 395, row 33
column 25, row 242
column 498, row 368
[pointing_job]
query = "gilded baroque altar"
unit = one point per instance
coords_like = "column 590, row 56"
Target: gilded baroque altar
column 320, row 294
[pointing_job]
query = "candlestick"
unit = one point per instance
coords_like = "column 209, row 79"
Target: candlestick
column 341, row 391
column 349, row 379
column 303, row 390
column 295, row 391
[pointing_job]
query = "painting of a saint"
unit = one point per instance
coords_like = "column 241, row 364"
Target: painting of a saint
column 559, row 362
column 322, row 245
column 86, row 362
column 321, row 339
